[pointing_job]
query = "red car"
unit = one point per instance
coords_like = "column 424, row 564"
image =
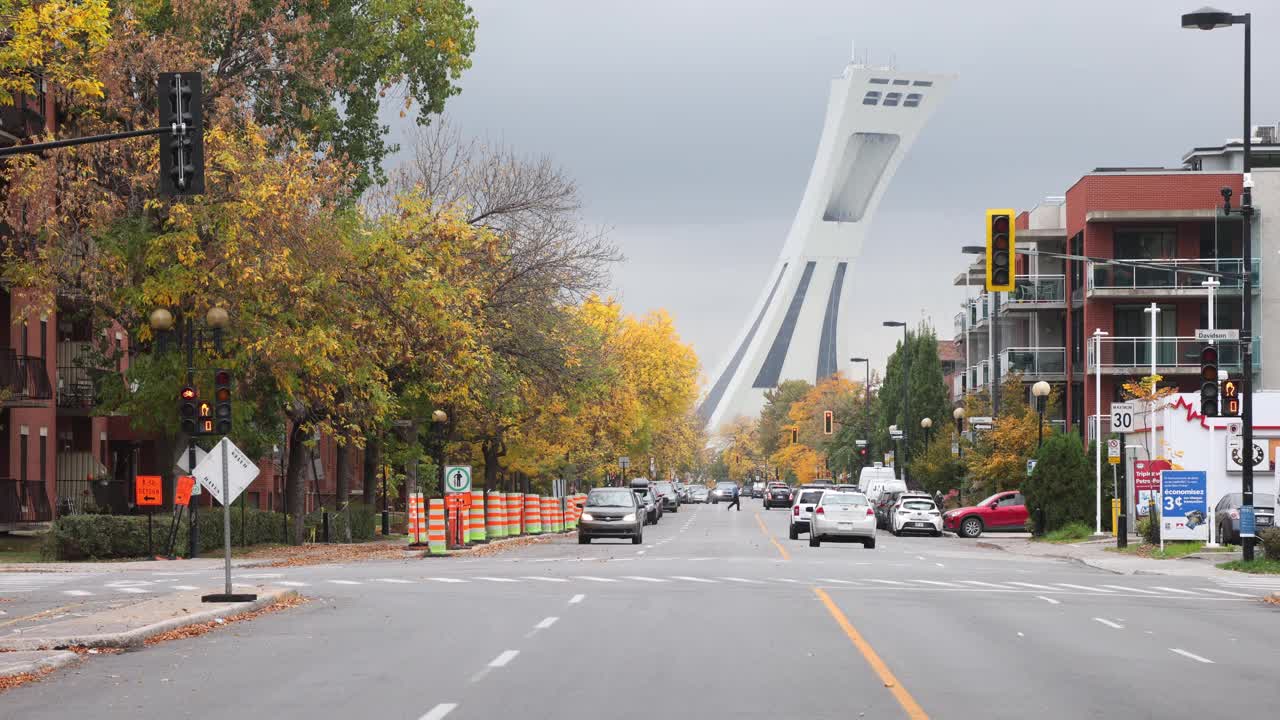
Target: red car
column 1002, row 512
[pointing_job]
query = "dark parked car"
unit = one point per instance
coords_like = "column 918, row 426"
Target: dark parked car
column 648, row 500
column 778, row 495
column 668, row 494
column 1227, row 515
column 611, row 512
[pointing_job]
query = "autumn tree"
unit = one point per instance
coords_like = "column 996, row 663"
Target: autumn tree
column 775, row 422
column 55, row 41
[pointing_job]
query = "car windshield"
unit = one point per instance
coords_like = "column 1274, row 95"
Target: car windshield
column 662, row 486
column 840, row 499
column 610, row 498
column 918, row 505
column 725, row 486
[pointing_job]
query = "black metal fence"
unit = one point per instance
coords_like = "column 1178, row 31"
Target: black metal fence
column 24, row 502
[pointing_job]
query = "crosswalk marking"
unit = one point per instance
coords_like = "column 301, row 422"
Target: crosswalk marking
column 397, row 581
column 346, row 582
column 1109, row 623
column 593, row 578
column 133, row 590
column 291, row 583
column 743, row 580
column 888, row 582
column 1226, row 592
column 692, row 579
column 837, row 581
column 446, row 579
column 1131, row 589
column 642, row 578
column 1173, row 590
column 980, row 583
column 77, row 593
column 185, row 587
column 1033, row 586
column 1086, row 588
column 544, row 578
column 497, row 579
column 936, row 582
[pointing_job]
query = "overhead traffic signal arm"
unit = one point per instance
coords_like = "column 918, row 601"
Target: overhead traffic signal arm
column 1000, row 250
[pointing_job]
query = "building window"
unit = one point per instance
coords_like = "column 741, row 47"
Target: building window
column 923, row 83
column 913, row 100
column 1133, row 335
column 872, row 97
column 891, row 99
column 1146, row 244
column 879, row 81
column 22, row 455
column 44, row 334
column 901, row 82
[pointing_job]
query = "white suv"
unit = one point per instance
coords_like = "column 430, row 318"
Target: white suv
column 802, row 510
column 915, row 513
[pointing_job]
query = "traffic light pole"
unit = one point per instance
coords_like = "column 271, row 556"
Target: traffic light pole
column 193, row 548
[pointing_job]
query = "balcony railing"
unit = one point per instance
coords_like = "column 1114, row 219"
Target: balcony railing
column 24, row 502
column 76, row 388
column 1169, row 276
column 1037, row 290
column 1177, row 354
column 23, row 377
column 979, row 375
column 1033, row 362
column 959, row 325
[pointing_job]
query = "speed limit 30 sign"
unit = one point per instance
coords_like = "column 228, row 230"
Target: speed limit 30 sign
column 1122, row 416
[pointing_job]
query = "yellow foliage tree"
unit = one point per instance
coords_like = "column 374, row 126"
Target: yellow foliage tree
column 54, row 40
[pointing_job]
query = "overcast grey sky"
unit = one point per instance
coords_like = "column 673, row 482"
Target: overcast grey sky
column 691, row 125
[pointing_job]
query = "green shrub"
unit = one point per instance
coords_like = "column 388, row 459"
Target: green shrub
column 1061, row 485
column 364, row 520
column 1270, row 539
column 1149, row 529
column 92, row 537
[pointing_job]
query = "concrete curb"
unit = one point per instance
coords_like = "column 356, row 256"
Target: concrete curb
column 137, row 636
column 52, row 661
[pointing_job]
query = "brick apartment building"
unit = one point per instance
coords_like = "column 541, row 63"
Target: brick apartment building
column 1170, row 219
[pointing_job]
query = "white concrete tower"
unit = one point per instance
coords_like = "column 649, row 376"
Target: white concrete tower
column 794, row 331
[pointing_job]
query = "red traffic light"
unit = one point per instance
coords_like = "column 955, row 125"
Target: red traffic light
column 188, row 393
column 222, row 377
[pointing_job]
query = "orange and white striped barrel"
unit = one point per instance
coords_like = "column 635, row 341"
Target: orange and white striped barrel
column 475, row 518
column 557, row 513
column 421, row 511
column 411, row 520
column 495, row 516
column 532, row 514
column 544, row 513
column 435, row 528
column 515, row 525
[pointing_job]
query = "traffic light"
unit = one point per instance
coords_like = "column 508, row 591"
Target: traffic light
column 1230, row 405
column 1209, row 381
column 828, row 422
column 862, row 454
column 187, row 410
column 222, row 401
column 181, row 149
column 795, row 436
column 1000, row 251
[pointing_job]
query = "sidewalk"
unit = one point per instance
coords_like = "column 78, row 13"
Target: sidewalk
column 1093, row 553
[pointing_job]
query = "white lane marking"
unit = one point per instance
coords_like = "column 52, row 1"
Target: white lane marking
column 888, row 582
column 1226, row 592
column 936, row 582
column 1109, row 624
column 642, row 578
column 1193, row 656
column 641, row 552
column 980, row 583
column 546, row 623
column 919, row 557
column 785, row 580
column 185, row 587
column 577, row 599
column 593, row 578
column 397, row 581
column 134, row 590
column 262, row 575
column 543, row 579
column 446, row 580
column 438, row 712
column 1173, row 590
column 1021, row 635
column 692, row 579
column 77, row 593
column 290, row 583
column 496, row 579
column 1086, row 588
column 1033, row 586
column 834, row 580
column 502, row 660
column 346, row 582
column 1049, row 600
column 743, row 580
column 1131, row 589
column 939, row 564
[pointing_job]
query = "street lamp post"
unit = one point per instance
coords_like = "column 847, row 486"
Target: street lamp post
column 1210, row 19
column 926, row 424
column 439, row 430
column 1041, row 391
column 866, row 404
column 161, row 321
column 906, row 376
column 958, row 414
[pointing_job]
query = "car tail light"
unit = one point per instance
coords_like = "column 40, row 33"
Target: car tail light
column 820, row 511
column 870, row 512
column 796, row 511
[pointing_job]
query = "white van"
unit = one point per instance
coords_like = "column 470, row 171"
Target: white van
column 874, row 481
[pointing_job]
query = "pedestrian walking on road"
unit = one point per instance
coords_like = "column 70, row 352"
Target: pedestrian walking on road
column 737, row 499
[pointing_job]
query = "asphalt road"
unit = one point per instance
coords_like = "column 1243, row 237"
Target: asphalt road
column 718, row 615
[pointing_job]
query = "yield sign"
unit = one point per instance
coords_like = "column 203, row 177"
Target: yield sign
column 240, row 471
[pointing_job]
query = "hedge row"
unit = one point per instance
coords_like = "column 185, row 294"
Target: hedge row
column 100, row 537
column 1270, row 543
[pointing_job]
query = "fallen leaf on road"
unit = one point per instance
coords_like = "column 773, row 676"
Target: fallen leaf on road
column 199, row 629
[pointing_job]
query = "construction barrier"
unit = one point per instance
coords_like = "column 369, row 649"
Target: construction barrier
column 532, row 515
column 495, row 516
column 435, row 528
column 475, row 518
column 547, row 514
column 420, row 509
column 557, row 515
column 515, row 525
column 574, row 509
column 411, row 525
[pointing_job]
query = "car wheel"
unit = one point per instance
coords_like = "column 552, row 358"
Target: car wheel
column 869, row 543
column 971, row 527
column 637, row 538
column 814, row 541
column 937, row 533
column 584, row 540
column 793, row 533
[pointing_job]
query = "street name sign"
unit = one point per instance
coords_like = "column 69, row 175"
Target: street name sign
column 1122, row 416
column 240, row 472
column 457, row 478
column 1203, row 335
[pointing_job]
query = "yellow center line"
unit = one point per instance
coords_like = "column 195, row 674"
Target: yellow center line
column 908, row 703
column 781, row 550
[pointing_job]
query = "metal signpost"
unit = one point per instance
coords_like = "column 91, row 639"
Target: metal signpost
column 148, row 492
column 225, row 473
column 624, row 462
column 457, row 498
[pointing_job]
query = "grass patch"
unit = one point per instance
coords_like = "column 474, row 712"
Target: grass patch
column 1075, row 532
column 21, row 548
column 1173, row 549
column 1258, row 566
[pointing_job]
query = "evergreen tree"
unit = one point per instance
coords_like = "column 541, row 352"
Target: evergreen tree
column 1061, row 484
